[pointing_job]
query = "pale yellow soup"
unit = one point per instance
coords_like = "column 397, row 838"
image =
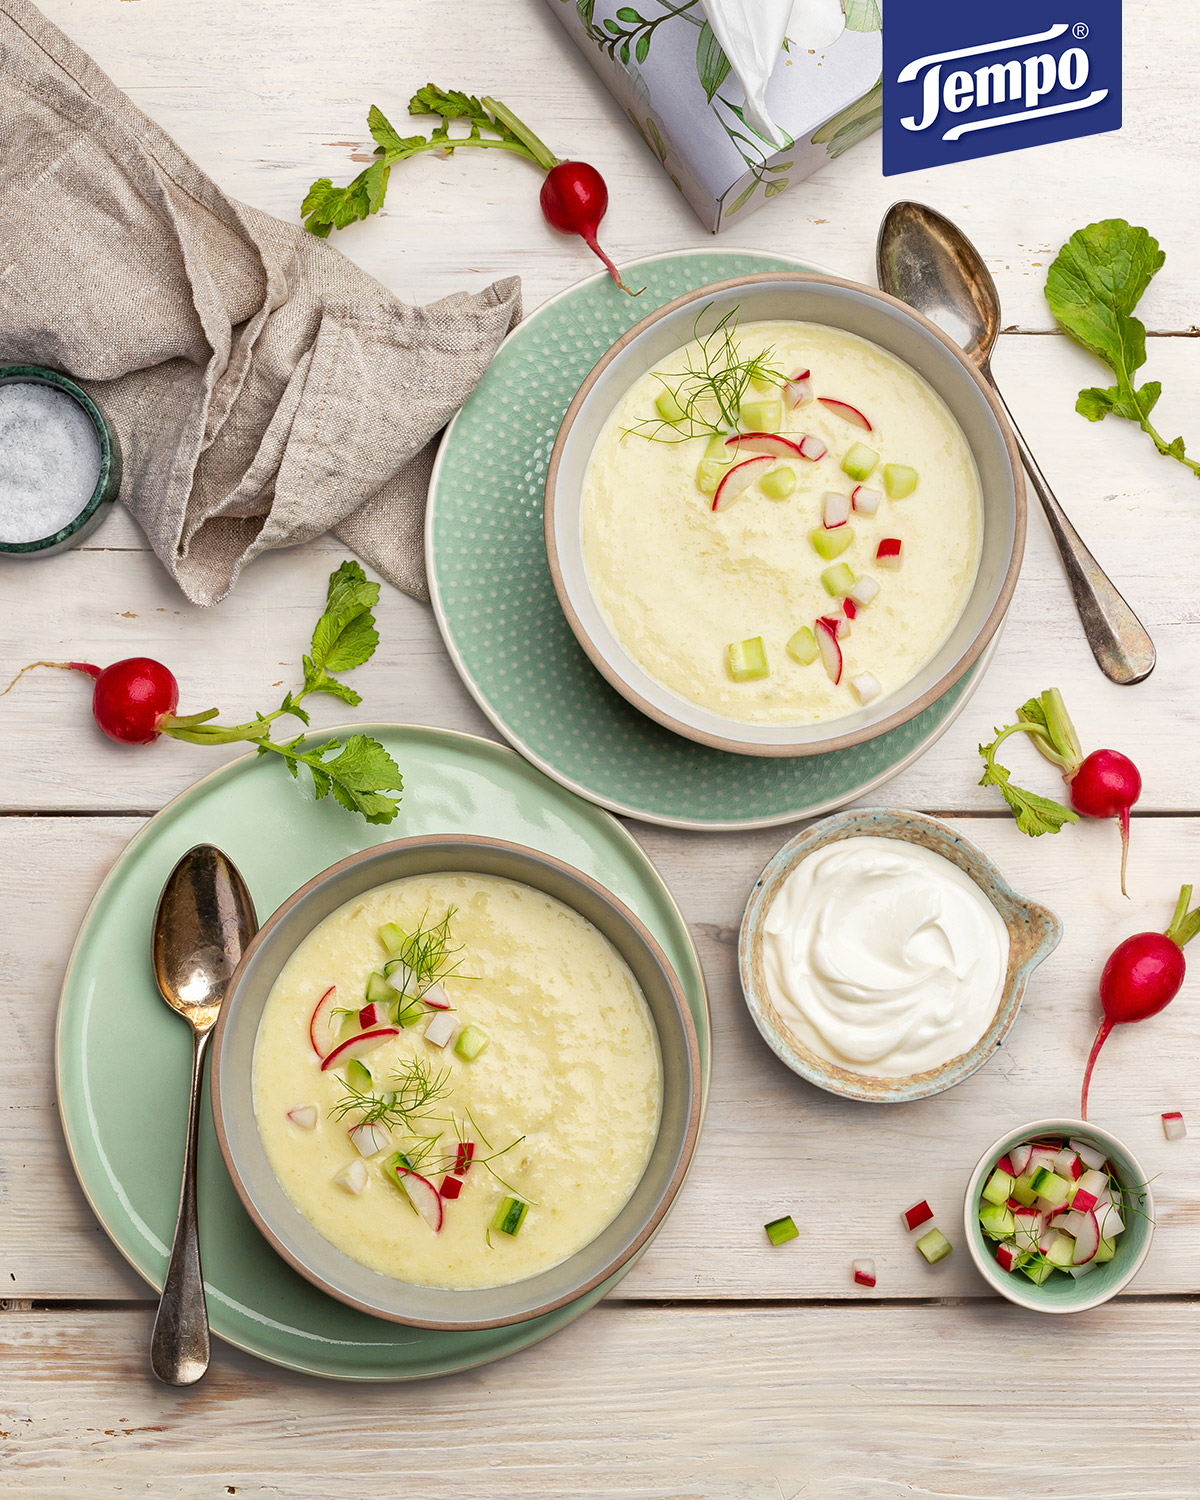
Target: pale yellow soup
column 677, row 583
column 572, row 1072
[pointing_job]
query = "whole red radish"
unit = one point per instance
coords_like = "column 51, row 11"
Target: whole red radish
column 1142, row 975
column 574, row 199
column 131, row 699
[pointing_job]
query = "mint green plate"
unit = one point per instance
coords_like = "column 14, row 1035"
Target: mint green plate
column 500, row 618
column 122, row 1059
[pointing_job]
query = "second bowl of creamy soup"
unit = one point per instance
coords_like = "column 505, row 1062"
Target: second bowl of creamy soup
column 783, row 515
column 884, row 957
column 456, row 1082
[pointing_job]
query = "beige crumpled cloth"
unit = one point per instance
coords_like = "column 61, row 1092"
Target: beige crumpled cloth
column 264, row 388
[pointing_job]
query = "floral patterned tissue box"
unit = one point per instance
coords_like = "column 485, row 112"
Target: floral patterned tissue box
column 662, row 63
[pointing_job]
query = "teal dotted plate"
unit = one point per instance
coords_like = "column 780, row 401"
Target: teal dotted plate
column 499, row 615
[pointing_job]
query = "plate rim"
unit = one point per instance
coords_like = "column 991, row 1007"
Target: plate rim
column 969, row 681
column 564, row 1316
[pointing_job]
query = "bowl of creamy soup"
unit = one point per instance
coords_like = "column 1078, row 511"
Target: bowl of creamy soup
column 884, row 957
column 784, row 514
column 456, row 1082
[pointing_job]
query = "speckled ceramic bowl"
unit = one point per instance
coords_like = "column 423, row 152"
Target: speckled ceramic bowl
column 1033, row 931
column 1063, row 1294
column 286, row 1228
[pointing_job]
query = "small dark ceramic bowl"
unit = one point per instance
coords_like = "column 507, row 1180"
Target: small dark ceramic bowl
column 1033, row 932
column 108, row 481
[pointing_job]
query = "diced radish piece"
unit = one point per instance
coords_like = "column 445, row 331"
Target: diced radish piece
column 849, row 609
column 1088, row 1154
column 843, row 627
column 1047, row 1238
column 739, row 479
column 369, row 1140
column 812, row 448
column 862, row 591
column 844, row 409
column 1042, row 1156
column 463, row 1157
column 320, row 1032
column 765, row 442
column 887, row 554
column 865, row 687
column 798, row 389
column 836, row 510
column 1071, row 1221
column 1007, row 1256
column 1108, row 1216
column 865, row 501
column 436, row 996
column 1089, row 1190
column 864, row 1272
column 358, row 1046
column 422, row 1194
column 353, row 1176
column 1084, row 1201
column 1087, row 1240
column 1174, row 1127
column 451, row 1186
column 304, row 1115
column 831, row 652
column 1005, row 1165
column 1028, row 1228
column 919, row 1213
column 441, row 1029
column 1078, row 1271
column 1068, row 1165
column 374, row 1014
column 1019, row 1156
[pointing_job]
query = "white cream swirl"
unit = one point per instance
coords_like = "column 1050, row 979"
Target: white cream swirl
column 884, row 957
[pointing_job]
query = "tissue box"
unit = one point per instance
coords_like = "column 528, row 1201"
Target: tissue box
column 662, row 63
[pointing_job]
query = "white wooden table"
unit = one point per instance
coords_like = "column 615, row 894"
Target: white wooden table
column 723, row 1369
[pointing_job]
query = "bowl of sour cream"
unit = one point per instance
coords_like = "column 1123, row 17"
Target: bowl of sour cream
column 884, row 957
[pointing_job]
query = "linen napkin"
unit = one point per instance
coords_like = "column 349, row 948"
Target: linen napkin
column 264, row 388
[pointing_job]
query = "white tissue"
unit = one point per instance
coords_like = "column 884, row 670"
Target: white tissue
column 816, row 23
column 751, row 35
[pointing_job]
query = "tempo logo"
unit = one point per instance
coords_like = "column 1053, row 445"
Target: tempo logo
column 954, row 90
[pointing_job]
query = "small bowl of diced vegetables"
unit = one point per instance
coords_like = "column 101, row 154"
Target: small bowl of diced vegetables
column 1059, row 1216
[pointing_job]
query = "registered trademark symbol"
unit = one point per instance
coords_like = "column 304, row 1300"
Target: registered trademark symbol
column 1079, row 30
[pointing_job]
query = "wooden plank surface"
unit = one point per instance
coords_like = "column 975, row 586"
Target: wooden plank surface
column 861, row 1403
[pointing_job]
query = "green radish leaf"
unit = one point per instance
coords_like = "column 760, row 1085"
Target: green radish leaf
column 712, row 66
column 1035, row 814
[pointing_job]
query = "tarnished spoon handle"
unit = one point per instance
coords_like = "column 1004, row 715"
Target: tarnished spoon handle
column 179, row 1349
column 1120, row 643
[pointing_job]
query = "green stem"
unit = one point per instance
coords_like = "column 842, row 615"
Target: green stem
column 535, row 149
column 1024, row 727
column 1185, row 924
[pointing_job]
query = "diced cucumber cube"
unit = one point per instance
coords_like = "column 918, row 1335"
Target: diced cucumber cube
column 1061, row 1251
column 358, row 1076
column 392, row 937
column 763, row 383
column 899, row 480
column 934, row 1246
column 761, row 416
column 999, row 1187
column 1038, row 1271
column 409, row 1012
column 1106, row 1251
column 719, row 448
column 860, row 461
column 709, row 474
column 1023, row 1192
column 379, row 989
column 471, row 1042
column 747, row 659
column 510, row 1215
column 830, row 544
column 1050, row 1186
column 838, row 580
column 779, row 483
column 669, row 408
column 803, row 647
column 997, row 1220
column 779, row 1231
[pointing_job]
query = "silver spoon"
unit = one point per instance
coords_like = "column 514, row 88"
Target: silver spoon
column 204, row 921
column 928, row 262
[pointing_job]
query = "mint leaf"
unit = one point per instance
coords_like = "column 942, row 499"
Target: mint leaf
column 1035, row 815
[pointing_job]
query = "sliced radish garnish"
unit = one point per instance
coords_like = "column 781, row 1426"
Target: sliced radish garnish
column 764, row 442
column 844, row 409
column 812, row 448
column 463, row 1158
column 373, row 1014
column 862, row 591
column 849, row 609
column 739, row 479
column 843, row 626
column 436, row 996
column 1174, row 1127
column 1088, row 1154
column 831, row 652
column 797, row 390
column 353, row 1176
column 441, row 1029
column 865, row 687
column 836, row 510
column 919, row 1213
column 865, row 501
column 864, row 1272
column 320, row 1033
column 1087, row 1239
column 423, row 1196
column 887, row 554
column 358, row 1046
column 1019, row 1156
column 451, row 1186
column 369, row 1140
column 304, row 1115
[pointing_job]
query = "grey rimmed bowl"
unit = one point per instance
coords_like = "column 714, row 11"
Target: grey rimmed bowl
column 291, row 1234
column 873, row 315
column 1033, row 931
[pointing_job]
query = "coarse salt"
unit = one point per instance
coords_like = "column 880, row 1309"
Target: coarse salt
column 49, row 460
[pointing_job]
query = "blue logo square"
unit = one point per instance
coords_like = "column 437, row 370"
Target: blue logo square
column 967, row 80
